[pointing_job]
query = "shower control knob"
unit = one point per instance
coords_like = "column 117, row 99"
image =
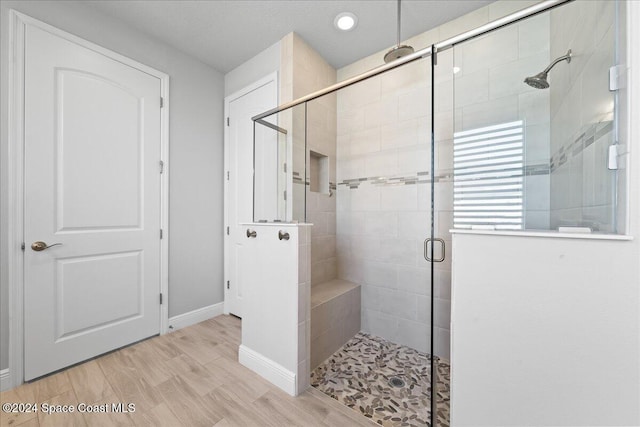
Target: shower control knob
column 282, row 235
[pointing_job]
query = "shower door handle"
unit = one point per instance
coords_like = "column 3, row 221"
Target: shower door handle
column 426, row 250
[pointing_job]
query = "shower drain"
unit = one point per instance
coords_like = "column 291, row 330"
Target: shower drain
column 396, row 382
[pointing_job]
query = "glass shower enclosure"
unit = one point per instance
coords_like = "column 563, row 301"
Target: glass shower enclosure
column 386, row 164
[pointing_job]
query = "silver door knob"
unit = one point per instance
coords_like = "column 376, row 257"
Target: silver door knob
column 41, row 246
column 251, row 233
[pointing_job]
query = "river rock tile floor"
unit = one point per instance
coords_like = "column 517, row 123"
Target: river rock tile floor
column 359, row 375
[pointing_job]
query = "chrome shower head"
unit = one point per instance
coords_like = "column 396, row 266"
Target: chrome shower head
column 539, row 81
column 398, row 51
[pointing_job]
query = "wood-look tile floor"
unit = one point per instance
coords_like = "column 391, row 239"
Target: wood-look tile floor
column 190, row 377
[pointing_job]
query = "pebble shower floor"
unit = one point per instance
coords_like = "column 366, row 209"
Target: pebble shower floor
column 360, row 375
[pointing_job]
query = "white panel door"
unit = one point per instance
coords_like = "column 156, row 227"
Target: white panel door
column 240, row 192
column 92, row 185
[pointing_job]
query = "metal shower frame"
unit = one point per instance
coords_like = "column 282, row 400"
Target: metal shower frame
column 423, row 53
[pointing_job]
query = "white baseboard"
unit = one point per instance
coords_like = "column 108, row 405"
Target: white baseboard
column 196, row 316
column 225, row 309
column 5, row 380
column 268, row 369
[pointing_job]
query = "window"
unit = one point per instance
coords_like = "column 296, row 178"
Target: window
column 488, row 170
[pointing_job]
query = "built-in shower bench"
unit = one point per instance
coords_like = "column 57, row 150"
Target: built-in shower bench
column 335, row 317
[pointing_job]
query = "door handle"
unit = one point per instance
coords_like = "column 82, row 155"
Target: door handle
column 283, row 235
column 426, row 247
column 41, row 246
column 251, row 233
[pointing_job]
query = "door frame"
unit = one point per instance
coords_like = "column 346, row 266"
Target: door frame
column 273, row 76
column 15, row 182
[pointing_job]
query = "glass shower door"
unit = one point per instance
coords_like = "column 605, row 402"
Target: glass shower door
column 377, row 189
column 439, row 248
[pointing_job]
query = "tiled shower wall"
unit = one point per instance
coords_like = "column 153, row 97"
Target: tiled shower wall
column 582, row 187
column 384, row 165
column 305, row 71
column 383, row 201
column 321, row 205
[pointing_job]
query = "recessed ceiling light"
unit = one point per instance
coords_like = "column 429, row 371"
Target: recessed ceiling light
column 345, row 21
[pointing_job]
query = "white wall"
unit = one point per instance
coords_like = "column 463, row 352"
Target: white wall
column 261, row 65
column 545, row 332
column 195, row 159
column 561, row 316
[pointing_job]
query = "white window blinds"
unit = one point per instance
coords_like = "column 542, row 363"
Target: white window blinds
column 488, row 177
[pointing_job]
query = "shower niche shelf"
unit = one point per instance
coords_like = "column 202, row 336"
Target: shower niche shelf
column 318, row 172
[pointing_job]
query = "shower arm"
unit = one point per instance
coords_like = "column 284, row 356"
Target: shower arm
column 566, row 57
column 399, row 12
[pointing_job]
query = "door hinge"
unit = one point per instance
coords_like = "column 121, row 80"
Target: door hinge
column 161, row 166
column 161, row 102
column 160, row 299
column 285, row 168
column 22, row 246
column 227, row 230
column 227, row 175
column 228, row 121
column 161, row 233
column 285, row 195
column 227, row 284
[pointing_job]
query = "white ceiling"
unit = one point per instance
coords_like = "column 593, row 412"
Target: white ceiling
column 226, row 33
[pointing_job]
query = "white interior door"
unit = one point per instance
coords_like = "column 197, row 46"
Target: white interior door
column 92, row 185
column 241, row 107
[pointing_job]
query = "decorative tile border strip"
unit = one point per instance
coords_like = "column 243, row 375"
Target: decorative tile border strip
column 297, row 179
column 592, row 133
column 539, row 169
column 425, row 178
column 417, row 178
